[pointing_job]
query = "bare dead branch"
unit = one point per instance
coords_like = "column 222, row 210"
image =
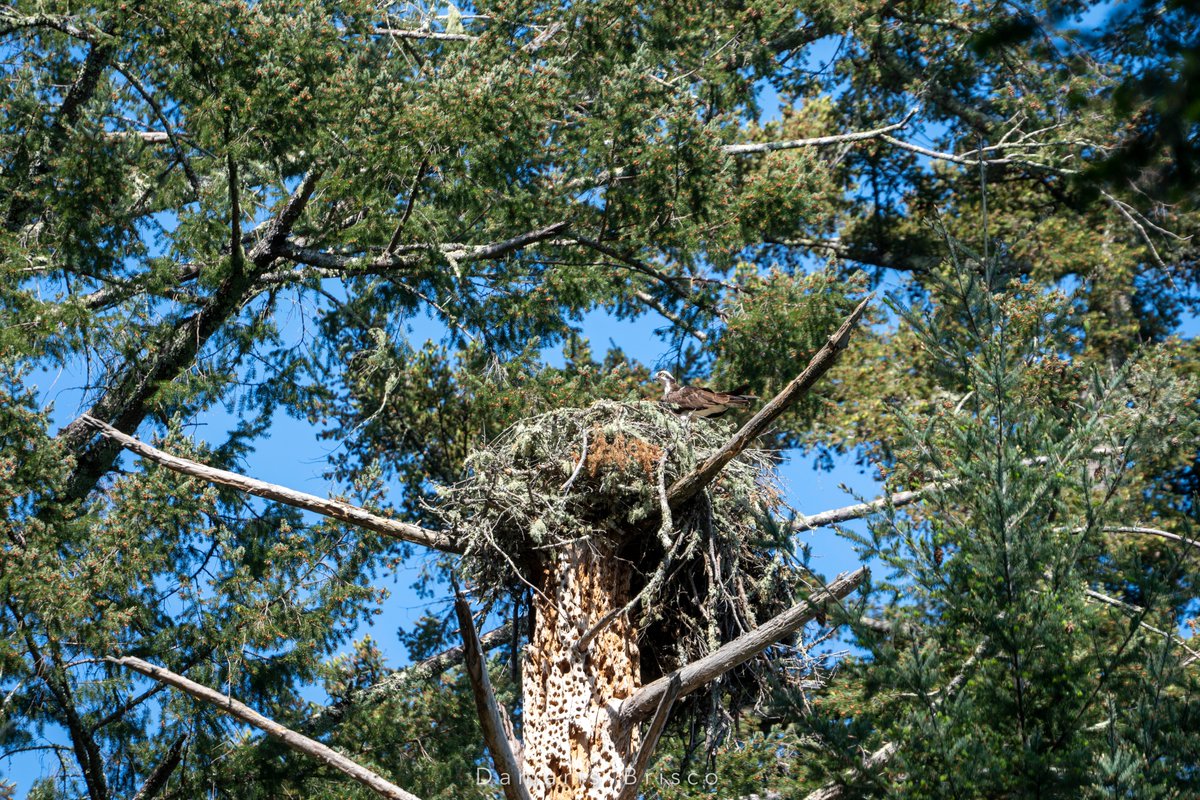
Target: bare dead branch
column 648, row 300
column 860, row 510
column 1174, row 537
column 650, row 741
column 414, row 33
column 695, row 675
column 243, row 712
column 687, row 487
column 334, row 509
column 147, row 137
column 180, row 154
column 498, row 249
column 325, row 264
column 497, row 730
column 1138, row 613
column 793, row 144
column 954, row 158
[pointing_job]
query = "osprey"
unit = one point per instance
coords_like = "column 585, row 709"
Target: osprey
column 696, row 401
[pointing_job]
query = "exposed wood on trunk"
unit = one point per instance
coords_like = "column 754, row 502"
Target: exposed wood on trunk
column 691, row 484
column 335, row 509
column 296, row 741
column 497, row 730
column 742, row 649
column 576, row 747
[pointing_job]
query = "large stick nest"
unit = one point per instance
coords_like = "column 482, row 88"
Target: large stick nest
column 720, row 567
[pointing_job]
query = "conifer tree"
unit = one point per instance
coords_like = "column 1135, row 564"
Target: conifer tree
column 243, row 206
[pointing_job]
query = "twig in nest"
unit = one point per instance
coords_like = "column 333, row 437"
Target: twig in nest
column 566, row 487
column 664, row 500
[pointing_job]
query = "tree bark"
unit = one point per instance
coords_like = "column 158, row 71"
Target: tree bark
column 576, row 747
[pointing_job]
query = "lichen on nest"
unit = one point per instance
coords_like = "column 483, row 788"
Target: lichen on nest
column 598, row 475
column 594, row 472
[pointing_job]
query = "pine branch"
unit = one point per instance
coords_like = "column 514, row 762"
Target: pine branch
column 334, row 509
column 162, row 773
column 392, row 684
column 127, row 403
column 695, row 675
column 834, row 790
column 296, row 741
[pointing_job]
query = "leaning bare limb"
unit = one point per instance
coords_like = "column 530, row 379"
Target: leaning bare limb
column 414, row 33
column 691, row 484
column 296, row 741
column 860, row 510
column 327, row 264
column 162, row 773
column 393, row 684
column 650, row 740
column 833, row 790
column 642, row 703
column 1161, row 534
column 794, row 144
column 497, row 730
column 334, row 509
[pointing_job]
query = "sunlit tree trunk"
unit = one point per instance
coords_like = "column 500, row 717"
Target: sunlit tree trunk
column 574, row 745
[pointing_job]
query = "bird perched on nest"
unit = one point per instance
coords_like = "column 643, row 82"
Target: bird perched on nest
column 696, row 401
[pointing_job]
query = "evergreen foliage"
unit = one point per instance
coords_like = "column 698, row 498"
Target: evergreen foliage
column 251, row 208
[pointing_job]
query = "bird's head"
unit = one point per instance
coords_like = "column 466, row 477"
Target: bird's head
column 665, row 378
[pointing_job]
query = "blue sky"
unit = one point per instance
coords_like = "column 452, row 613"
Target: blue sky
column 295, row 457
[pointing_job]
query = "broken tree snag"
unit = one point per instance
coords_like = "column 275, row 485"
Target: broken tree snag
column 691, row 484
column 289, row 737
column 575, row 746
column 334, row 509
column 568, row 524
column 497, row 730
column 747, row 646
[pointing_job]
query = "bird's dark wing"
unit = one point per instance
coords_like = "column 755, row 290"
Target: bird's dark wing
column 692, row 398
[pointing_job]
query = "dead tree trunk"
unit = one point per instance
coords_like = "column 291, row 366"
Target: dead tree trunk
column 576, row 746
